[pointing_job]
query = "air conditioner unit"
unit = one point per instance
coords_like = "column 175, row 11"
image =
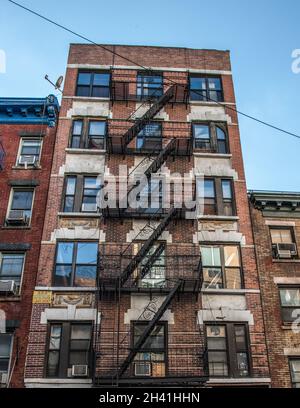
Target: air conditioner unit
column 142, row 369
column 3, row 379
column 8, row 286
column 17, row 217
column 88, row 207
column 80, row 370
column 286, row 250
column 27, row 160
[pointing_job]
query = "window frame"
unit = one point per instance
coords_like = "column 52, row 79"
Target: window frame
column 78, row 195
column 223, row 267
column 219, row 199
column 84, row 136
column 156, row 139
column 11, row 335
column 282, row 308
column 10, row 201
column 133, row 323
column 290, row 359
column 231, row 348
column 29, row 139
column 142, row 85
column 293, row 236
column 22, row 271
column 207, row 89
column 64, row 350
column 213, row 136
column 91, row 86
column 73, row 264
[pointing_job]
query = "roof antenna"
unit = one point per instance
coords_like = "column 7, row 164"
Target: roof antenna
column 57, row 84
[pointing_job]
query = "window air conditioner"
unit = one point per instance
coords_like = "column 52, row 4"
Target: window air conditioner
column 87, row 207
column 17, row 217
column 3, row 379
column 142, row 369
column 8, row 286
column 286, row 250
column 79, row 370
column 27, row 160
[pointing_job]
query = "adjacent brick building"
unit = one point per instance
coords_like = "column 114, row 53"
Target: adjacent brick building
column 122, row 296
column 27, row 134
column 276, row 227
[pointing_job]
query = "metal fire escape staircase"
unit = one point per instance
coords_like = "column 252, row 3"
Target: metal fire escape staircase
column 133, row 264
column 146, row 118
column 148, row 330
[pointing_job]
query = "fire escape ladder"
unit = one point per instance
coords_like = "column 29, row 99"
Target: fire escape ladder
column 161, row 158
column 152, row 259
column 124, row 276
column 141, row 122
column 149, row 329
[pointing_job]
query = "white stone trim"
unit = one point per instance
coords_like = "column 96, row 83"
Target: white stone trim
column 66, row 288
column 138, row 225
column 57, row 383
column 78, row 232
column 219, row 236
column 136, row 67
column 225, row 315
column 90, row 108
column 286, row 280
column 291, row 351
column 69, row 313
column 280, row 223
column 248, row 380
column 138, row 303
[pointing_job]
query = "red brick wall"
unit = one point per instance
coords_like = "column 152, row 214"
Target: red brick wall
column 20, row 308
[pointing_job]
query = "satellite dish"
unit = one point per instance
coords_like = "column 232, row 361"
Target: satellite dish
column 59, row 82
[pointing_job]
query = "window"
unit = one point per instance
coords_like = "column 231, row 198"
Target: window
column 151, row 359
column 210, row 207
column 290, row 303
column 81, row 194
column 205, row 89
column 76, row 264
column 69, row 345
column 93, row 84
column 5, row 351
column 210, row 137
column 21, row 207
column 88, row 134
column 11, row 267
column 150, row 137
column 151, row 196
column 149, row 86
column 221, row 267
column 283, row 242
column 227, row 348
column 29, row 152
column 295, row 372
column 218, row 196
column 152, row 275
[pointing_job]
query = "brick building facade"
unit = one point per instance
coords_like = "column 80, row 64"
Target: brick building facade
column 27, row 134
column 130, row 296
column 276, row 227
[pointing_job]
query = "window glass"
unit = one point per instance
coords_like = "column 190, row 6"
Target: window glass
column 65, row 252
column 281, row 236
column 31, row 147
column 231, row 255
column 11, row 267
column 290, row 297
column 214, row 83
column 226, row 189
column 86, row 264
column 211, row 256
column 101, row 79
column 295, row 372
column 5, row 348
column 71, row 185
column 84, row 78
column 209, row 188
column 22, row 200
column 97, row 128
column 201, row 131
column 197, row 83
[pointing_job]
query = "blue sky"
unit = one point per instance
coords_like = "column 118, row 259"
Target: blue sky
column 261, row 35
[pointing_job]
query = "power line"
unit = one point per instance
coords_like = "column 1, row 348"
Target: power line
column 149, row 69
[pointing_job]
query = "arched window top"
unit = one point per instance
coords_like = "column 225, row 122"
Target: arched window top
column 221, row 135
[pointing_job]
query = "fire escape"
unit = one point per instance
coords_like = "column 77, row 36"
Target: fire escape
column 124, row 269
